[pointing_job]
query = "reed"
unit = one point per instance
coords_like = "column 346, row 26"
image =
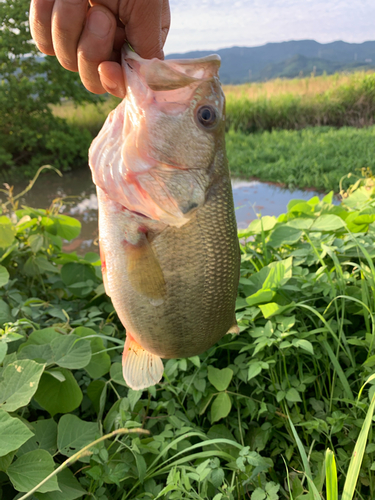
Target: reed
column 294, row 105
column 338, row 100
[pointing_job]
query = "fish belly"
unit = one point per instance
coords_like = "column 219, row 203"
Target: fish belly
column 175, row 293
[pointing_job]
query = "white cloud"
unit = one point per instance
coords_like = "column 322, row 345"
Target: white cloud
column 214, row 24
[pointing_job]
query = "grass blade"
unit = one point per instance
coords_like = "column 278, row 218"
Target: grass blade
column 338, row 369
column 312, row 488
column 359, row 450
column 331, row 476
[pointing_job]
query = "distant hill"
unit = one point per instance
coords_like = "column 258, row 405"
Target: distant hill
column 288, row 59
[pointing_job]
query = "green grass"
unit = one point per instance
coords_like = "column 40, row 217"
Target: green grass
column 313, row 157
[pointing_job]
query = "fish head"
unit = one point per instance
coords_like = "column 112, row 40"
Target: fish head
column 158, row 151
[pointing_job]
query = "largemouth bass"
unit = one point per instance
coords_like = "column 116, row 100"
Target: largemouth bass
column 167, row 229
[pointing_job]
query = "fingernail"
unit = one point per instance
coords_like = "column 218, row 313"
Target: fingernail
column 107, row 82
column 99, row 24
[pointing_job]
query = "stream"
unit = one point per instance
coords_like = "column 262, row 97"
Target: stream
column 79, row 200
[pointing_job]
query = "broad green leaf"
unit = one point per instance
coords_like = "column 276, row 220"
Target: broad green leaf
column 221, row 407
column 271, row 309
column 45, row 437
column 14, row 433
column 75, row 273
column 299, row 206
column 116, row 374
column 3, row 350
column 258, row 494
column 331, row 476
column 6, row 460
column 304, row 344
column 95, row 391
column 58, row 397
column 328, row 222
column 259, row 297
column 254, row 369
column 36, row 242
column 301, row 223
column 280, row 273
column 217, row 477
column 58, row 374
column 141, row 466
column 44, row 265
column 73, row 434
column 40, row 337
column 67, row 227
column 256, row 226
column 293, row 396
column 70, row 351
column 4, row 276
column 19, row 383
column 134, row 397
column 38, row 353
column 358, row 198
column 30, row 267
column 220, row 379
column 100, row 362
column 5, row 314
column 7, row 232
column 328, row 198
column 30, row 469
column 69, row 486
column 284, row 235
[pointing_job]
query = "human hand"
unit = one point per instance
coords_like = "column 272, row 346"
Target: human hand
column 87, row 37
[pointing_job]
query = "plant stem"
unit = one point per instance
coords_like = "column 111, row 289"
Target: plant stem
column 80, row 454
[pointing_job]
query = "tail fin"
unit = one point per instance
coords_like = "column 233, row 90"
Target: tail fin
column 140, row 368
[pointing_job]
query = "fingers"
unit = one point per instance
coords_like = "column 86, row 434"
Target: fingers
column 112, row 79
column 89, row 41
column 165, row 20
column 40, row 25
column 68, row 18
column 96, row 46
column 146, row 25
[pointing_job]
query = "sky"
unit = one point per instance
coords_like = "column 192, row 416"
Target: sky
column 216, row 24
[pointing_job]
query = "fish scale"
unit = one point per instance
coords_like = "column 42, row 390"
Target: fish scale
column 168, row 235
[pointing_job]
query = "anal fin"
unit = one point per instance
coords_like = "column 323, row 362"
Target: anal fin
column 141, row 369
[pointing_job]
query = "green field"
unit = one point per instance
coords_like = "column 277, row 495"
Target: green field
column 313, row 157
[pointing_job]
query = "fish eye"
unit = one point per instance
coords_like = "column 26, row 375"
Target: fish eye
column 207, row 116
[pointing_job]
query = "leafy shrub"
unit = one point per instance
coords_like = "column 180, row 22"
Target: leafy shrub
column 218, row 423
column 30, row 135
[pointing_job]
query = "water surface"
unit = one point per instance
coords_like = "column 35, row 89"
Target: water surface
column 78, row 195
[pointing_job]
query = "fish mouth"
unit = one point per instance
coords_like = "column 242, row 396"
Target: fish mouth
column 159, row 75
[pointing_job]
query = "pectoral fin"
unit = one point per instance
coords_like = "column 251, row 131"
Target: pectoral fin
column 144, row 271
column 140, row 368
